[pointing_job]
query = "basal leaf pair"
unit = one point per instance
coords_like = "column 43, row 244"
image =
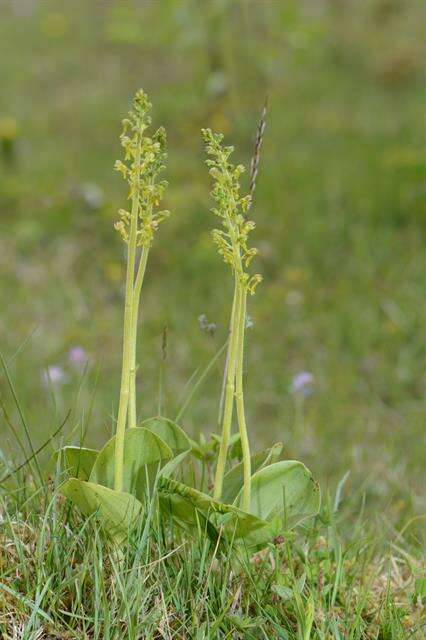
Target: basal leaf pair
column 146, row 450
column 283, row 495
column 259, row 497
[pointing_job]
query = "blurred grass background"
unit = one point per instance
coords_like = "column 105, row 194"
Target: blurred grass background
column 339, row 209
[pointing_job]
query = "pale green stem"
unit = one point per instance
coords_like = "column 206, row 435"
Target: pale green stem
column 133, row 341
column 127, row 335
column 229, row 396
column 239, row 399
column 237, row 256
column 225, row 371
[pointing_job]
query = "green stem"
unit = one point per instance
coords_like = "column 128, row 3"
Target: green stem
column 127, row 338
column 229, row 395
column 225, row 371
column 239, row 398
column 134, row 331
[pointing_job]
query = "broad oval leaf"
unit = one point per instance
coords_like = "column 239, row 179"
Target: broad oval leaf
column 186, row 515
column 233, row 480
column 175, row 502
column 188, row 504
column 117, row 512
column 173, row 435
column 284, row 493
column 77, row 461
column 144, row 454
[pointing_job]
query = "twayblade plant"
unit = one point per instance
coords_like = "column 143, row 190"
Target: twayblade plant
column 258, row 497
column 113, row 481
column 232, row 243
column 143, row 162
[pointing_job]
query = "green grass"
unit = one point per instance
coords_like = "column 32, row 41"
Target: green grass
column 337, row 579
column 339, row 209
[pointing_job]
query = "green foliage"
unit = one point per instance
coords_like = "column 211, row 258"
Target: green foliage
column 288, row 487
column 60, row 577
column 144, row 452
column 234, row 479
column 169, row 432
column 174, row 464
column 190, row 507
column 284, row 494
column 117, row 512
column 142, row 449
column 420, row 588
column 77, row 461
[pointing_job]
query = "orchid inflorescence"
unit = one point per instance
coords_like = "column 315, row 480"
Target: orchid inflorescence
column 144, row 161
column 232, row 240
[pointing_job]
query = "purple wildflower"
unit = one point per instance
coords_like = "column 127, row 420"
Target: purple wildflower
column 53, row 375
column 302, row 383
column 77, row 357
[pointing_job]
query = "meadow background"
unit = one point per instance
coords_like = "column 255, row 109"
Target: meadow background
column 339, row 208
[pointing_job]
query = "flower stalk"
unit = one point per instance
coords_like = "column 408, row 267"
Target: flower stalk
column 137, row 289
column 229, row 395
column 127, row 340
column 143, row 161
column 239, row 399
